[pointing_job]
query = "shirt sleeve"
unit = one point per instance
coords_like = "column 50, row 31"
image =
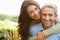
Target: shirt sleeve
column 52, row 30
column 32, row 38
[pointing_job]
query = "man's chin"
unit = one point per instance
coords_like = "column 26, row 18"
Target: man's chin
column 47, row 26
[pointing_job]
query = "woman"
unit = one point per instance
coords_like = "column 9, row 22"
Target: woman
column 26, row 18
column 29, row 15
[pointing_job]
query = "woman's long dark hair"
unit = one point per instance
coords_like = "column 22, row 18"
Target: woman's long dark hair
column 24, row 20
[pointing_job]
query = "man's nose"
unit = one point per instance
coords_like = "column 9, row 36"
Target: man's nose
column 47, row 17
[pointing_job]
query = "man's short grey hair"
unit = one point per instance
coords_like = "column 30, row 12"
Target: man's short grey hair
column 51, row 6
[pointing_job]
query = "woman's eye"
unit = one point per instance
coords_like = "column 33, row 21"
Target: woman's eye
column 36, row 8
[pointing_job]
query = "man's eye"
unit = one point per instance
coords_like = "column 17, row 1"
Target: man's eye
column 44, row 14
column 50, row 15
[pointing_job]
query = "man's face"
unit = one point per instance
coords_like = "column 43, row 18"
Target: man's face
column 48, row 17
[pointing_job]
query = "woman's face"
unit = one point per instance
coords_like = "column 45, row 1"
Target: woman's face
column 33, row 12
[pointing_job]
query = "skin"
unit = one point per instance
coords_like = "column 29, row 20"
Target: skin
column 48, row 18
column 34, row 12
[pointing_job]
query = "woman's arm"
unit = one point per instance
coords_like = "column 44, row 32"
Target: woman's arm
column 53, row 30
column 50, row 31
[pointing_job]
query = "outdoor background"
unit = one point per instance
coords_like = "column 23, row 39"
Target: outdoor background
column 9, row 12
column 10, row 9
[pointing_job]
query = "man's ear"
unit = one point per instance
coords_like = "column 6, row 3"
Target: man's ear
column 56, row 16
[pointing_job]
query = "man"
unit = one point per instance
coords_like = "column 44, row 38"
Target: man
column 49, row 16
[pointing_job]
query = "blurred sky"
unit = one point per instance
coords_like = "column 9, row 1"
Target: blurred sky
column 12, row 7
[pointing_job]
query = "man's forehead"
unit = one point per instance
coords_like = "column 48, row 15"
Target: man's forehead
column 48, row 7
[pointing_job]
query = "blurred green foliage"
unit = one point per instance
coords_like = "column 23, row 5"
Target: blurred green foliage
column 12, row 18
column 8, row 27
column 8, row 30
